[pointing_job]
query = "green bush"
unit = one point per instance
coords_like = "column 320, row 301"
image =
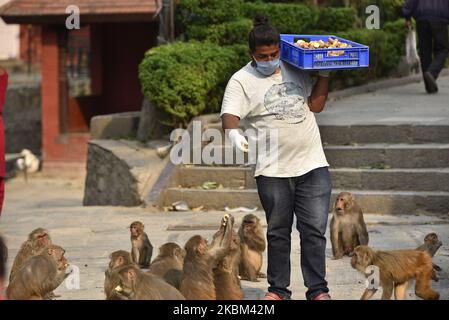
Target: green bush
column 184, row 79
column 302, row 18
column 336, row 19
column 205, row 12
column 227, row 33
column 286, row 17
column 387, row 47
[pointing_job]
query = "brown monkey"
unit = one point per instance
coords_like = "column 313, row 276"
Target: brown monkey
column 133, row 284
column 198, row 278
column 37, row 241
column 142, row 249
column 396, row 269
column 348, row 229
column 168, row 264
column 253, row 244
column 226, row 274
column 431, row 245
column 119, row 259
column 39, row 275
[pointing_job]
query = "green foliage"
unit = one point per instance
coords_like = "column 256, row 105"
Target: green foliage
column 227, row 33
column 184, row 79
column 286, row 17
column 336, row 19
column 205, row 12
column 387, row 47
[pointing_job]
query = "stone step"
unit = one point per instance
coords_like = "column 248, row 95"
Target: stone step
column 371, row 201
column 228, row 177
column 389, row 156
column 391, row 179
column 380, row 156
column 362, row 134
column 342, row 178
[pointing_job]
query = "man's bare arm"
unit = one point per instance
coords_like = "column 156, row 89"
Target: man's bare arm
column 318, row 98
column 229, row 121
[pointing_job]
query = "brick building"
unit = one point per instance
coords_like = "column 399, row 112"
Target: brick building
column 104, row 54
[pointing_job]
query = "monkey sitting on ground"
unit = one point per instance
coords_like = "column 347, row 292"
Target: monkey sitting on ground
column 142, row 249
column 133, row 284
column 348, row 229
column 396, row 269
column 168, row 264
column 252, row 244
column 37, row 242
column 198, row 278
column 226, row 274
column 119, row 259
column 39, row 275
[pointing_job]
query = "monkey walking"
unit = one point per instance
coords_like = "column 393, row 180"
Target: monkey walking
column 396, row 269
column 141, row 247
column 253, row 244
column 348, row 228
column 431, row 245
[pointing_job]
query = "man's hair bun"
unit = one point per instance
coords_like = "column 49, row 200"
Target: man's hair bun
column 260, row 20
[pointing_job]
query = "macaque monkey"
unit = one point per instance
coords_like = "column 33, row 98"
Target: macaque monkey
column 431, row 245
column 142, row 249
column 119, row 259
column 252, row 244
column 348, row 229
column 39, row 275
column 37, row 242
column 226, row 274
column 133, row 284
column 396, row 269
column 168, row 264
column 198, row 277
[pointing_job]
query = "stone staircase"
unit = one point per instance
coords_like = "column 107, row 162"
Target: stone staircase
column 407, row 175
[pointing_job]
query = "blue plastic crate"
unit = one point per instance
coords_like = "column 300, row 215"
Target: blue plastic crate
column 320, row 59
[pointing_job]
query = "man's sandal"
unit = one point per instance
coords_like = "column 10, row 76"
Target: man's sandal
column 271, row 296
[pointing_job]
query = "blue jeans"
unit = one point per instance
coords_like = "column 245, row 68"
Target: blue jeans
column 307, row 197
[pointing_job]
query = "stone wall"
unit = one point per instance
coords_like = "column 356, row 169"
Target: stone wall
column 120, row 172
column 22, row 118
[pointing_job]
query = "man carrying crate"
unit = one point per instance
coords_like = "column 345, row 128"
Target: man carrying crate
column 273, row 95
column 432, row 19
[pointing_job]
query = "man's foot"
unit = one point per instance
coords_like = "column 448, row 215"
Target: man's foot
column 271, row 296
column 323, row 296
column 430, row 82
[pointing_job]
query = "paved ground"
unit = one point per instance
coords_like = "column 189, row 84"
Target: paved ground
column 408, row 104
column 89, row 234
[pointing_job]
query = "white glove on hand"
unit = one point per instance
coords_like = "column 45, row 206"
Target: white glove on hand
column 324, row 74
column 238, row 140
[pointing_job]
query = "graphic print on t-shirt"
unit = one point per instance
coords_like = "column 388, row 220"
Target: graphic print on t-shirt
column 286, row 102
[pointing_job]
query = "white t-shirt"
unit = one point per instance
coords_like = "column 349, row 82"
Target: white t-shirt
column 278, row 103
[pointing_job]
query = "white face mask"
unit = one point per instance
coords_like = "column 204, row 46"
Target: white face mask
column 267, row 68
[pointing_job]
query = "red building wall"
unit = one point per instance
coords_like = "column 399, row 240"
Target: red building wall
column 117, row 50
